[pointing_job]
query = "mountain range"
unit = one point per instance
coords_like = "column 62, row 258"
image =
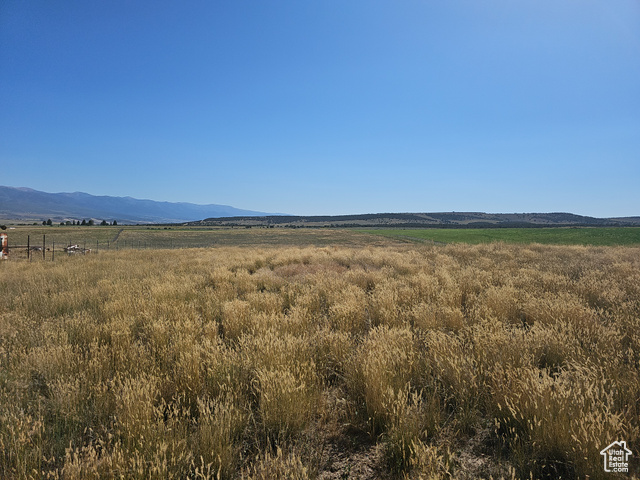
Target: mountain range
column 25, row 204
column 32, row 205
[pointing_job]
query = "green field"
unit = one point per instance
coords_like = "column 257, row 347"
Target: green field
column 598, row 236
column 151, row 237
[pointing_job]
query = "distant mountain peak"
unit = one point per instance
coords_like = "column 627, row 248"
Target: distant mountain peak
column 22, row 203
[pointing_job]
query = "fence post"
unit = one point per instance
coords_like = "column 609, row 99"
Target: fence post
column 28, row 247
column 53, row 251
column 44, row 244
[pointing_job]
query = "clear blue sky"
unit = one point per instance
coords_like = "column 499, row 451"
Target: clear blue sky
column 327, row 106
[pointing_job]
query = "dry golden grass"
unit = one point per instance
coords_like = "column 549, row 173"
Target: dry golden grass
column 457, row 361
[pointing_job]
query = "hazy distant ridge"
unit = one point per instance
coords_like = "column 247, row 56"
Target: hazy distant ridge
column 28, row 204
column 441, row 219
column 32, row 205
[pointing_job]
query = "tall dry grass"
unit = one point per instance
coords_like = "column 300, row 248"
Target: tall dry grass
column 461, row 361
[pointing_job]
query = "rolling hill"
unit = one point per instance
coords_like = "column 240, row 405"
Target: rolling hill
column 425, row 220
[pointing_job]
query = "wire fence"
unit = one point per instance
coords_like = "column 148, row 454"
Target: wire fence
column 41, row 248
column 49, row 243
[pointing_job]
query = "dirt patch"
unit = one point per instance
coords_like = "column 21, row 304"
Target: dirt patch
column 477, row 457
column 353, row 455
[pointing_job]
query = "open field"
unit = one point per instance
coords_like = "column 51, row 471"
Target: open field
column 174, row 237
column 161, row 237
column 330, row 362
column 555, row 236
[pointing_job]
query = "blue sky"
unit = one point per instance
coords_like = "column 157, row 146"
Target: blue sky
column 327, row 106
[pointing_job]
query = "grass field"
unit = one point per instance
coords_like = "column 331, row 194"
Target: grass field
column 556, row 236
column 152, row 237
column 390, row 361
column 142, row 237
